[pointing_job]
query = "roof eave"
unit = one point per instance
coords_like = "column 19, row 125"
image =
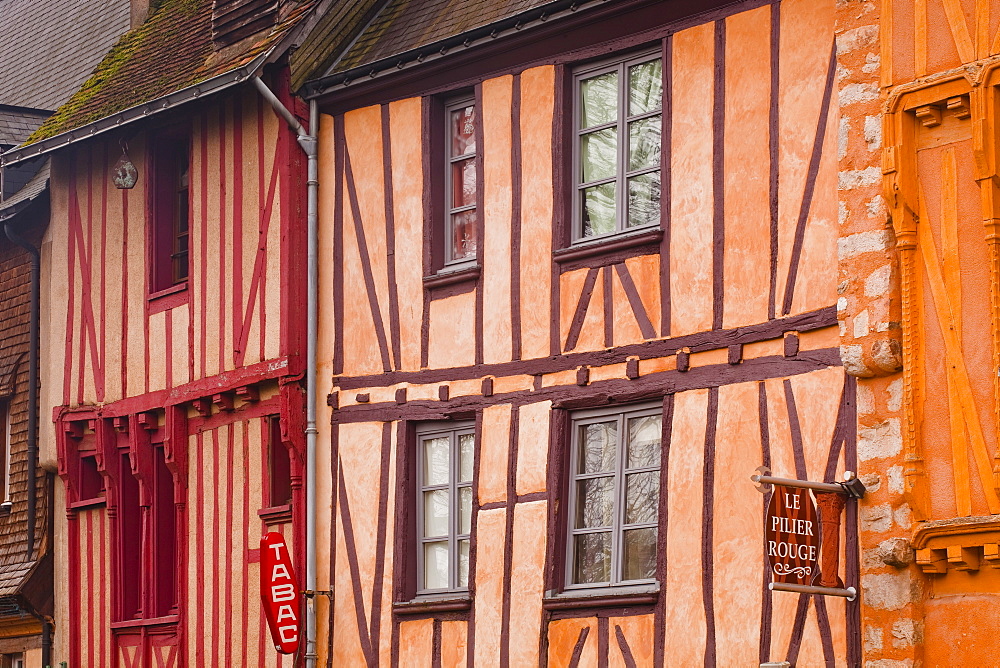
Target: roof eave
column 117, row 120
column 434, row 51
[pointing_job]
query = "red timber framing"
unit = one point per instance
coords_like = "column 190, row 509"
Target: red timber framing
column 173, row 397
column 724, row 314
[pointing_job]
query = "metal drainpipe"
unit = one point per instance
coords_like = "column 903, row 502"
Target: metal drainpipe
column 32, row 383
column 308, row 143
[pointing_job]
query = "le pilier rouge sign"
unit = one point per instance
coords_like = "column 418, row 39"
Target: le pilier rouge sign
column 791, row 534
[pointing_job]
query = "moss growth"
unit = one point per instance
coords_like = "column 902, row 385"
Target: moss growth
column 83, row 107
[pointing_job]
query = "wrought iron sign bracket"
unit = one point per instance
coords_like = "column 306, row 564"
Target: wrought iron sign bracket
column 851, row 486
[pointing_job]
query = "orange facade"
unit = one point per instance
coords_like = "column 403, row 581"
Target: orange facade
column 720, row 320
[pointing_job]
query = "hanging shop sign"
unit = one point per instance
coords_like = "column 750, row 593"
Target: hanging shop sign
column 791, row 533
column 802, row 542
column 279, row 593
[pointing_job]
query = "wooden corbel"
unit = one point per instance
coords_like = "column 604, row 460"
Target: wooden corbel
column 175, row 449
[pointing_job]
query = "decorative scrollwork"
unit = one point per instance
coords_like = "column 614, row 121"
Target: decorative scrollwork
column 799, row 571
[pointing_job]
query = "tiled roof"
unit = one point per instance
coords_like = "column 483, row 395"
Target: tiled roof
column 336, row 24
column 13, row 575
column 48, row 47
column 403, row 25
column 17, row 123
column 171, row 51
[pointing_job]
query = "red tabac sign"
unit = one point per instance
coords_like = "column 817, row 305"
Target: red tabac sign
column 279, row 593
column 792, row 535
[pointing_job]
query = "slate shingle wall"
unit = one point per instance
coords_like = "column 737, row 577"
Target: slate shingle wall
column 14, row 320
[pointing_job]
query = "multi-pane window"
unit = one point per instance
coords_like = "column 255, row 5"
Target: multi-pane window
column 444, row 507
column 617, row 146
column 460, row 179
column 614, row 497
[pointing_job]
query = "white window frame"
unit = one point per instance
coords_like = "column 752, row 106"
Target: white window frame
column 620, row 65
column 452, row 431
column 618, row 528
column 451, row 106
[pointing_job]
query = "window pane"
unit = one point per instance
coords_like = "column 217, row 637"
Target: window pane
column 463, row 131
column 641, row 493
column 463, row 183
column 463, row 235
column 639, row 561
column 599, row 210
column 643, row 442
column 598, row 447
column 595, row 503
column 644, row 143
column 599, row 100
column 436, row 513
column 644, row 199
column 598, row 155
column 436, row 458
column 466, row 446
column 645, row 86
column 463, row 563
column 436, row 565
column 592, row 558
column 464, row 510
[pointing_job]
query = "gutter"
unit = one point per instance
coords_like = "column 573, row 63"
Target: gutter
column 115, row 121
column 552, row 11
column 307, row 141
column 32, row 383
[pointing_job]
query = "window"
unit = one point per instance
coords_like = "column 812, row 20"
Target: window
column 279, row 466
column 460, row 181
column 444, row 507
column 147, row 542
column 614, row 497
column 617, row 123
column 169, row 228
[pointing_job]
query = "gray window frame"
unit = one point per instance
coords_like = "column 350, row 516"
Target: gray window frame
column 451, row 106
column 425, row 432
column 577, row 420
column 620, row 65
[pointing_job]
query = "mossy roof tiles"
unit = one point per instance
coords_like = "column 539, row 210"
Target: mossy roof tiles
column 171, row 51
column 404, row 25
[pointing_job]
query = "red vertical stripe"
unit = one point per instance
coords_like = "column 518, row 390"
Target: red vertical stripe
column 203, row 251
column 71, row 272
column 228, row 524
column 104, row 263
column 199, row 541
column 125, row 287
column 91, row 630
column 238, row 349
column 260, row 224
column 245, row 615
column 103, row 627
column 223, row 179
column 215, row 575
column 87, row 243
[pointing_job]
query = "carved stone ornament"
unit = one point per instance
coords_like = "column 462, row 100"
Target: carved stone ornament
column 124, row 175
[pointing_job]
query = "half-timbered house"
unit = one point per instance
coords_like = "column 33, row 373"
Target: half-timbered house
column 173, row 353
column 579, row 279
column 68, row 40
